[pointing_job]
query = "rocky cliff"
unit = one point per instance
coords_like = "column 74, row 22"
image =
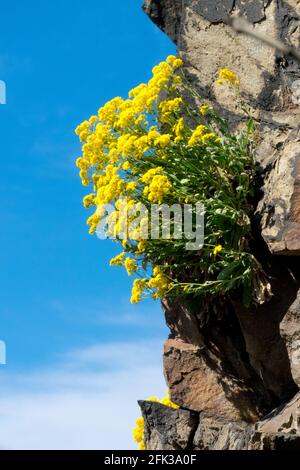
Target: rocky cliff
column 235, row 371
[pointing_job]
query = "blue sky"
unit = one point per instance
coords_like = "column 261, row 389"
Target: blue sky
column 61, row 60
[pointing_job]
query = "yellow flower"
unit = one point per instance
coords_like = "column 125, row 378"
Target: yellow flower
column 131, row 187
column 141, row 246
column 160, row 283
column 89, row 201
column 153, row 134
column 94, row 221
column 178, row 63
column 178, row 129
column 130, row 265
column 204, row 109
column 117, row 260
column 209, row 136
column 163, row 141
column 149, row 175
column 140, row 422
column 138, row 432
column 154, row 399
column 109, row 112
column 171, row 59
column 140, row 120
column 177, row 81
column 126, row 166
column 199, row 136
column 126, row 118
column 196, row 137
column 159, row 187
column 141, row 145
column 228, row 76
column 170, row 105
column 167, row 402
column 139, row 286
column 174, row 61
column 217, row 249
column 136, row 91
column 84, row 126
column 93, row 119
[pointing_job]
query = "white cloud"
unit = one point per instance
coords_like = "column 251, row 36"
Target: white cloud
column 88, row 401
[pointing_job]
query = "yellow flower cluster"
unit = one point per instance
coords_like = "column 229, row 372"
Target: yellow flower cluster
column 168, row 107
column 204, row 109
column 229, row 77
column 175, row 61
column 160, row 282
column 217, row 250
column 89, row 201
column 179, row 129
column 163, row 140
column 130, row 150
column 130, row 265
column 139, row 286
column 139, row 430
column 201, row 137
column 118, row 260
column 119, row 131
column 138, row 433
column 157, row 185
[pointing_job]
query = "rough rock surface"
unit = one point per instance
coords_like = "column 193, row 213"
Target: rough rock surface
column 169, row 429
column 280, row 207
column 211, row 374
column 290, row 332
column 242, row 364
column 196, row 384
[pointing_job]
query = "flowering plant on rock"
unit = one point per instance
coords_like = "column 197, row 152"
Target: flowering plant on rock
column 157, row 147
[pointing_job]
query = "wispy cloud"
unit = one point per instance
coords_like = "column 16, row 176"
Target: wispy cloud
column 86, row 401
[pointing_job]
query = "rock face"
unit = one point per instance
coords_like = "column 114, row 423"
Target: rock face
column 280, row 207
column 197, row 381
column 228, row 374
column 169, row 429
column 207, row 372
column 290, row 332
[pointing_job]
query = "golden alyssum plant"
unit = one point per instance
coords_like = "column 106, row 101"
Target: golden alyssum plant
column 155, row 147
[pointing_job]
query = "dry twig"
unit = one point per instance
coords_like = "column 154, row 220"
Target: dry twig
column 242, row 26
